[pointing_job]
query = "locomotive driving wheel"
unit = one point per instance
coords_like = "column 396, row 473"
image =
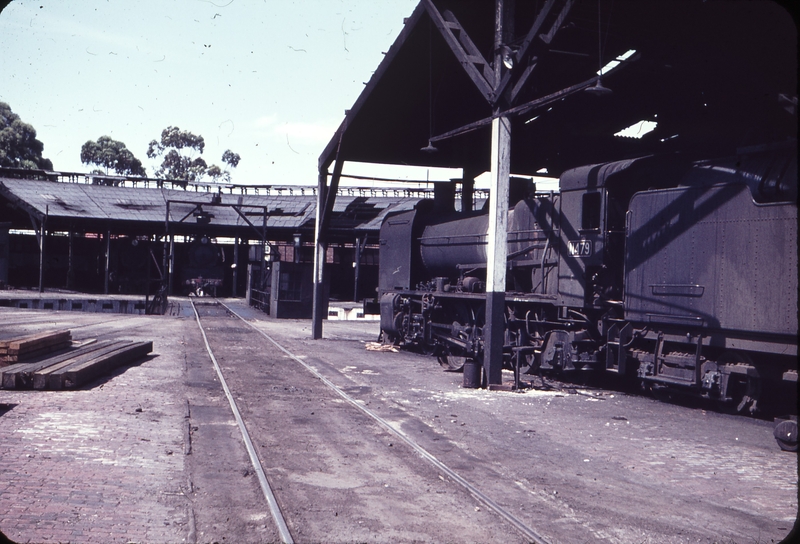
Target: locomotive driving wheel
column 451, row 363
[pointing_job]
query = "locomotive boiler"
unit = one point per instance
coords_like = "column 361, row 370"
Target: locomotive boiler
column 671, row 273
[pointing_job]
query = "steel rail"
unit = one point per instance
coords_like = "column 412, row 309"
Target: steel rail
column 475, row 492
column 286, row 536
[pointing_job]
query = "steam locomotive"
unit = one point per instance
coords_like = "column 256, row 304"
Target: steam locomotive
column 672, row 273
column 201, row 269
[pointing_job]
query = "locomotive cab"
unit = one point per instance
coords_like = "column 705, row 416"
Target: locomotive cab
column 591, row 244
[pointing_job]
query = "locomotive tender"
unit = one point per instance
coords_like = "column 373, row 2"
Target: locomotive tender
column 672, row 273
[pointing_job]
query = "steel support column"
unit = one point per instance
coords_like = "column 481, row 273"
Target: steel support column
column 171, row 262
column 165, row 262
column 71, row 261
column 317, row 310
column 108, row 260
column 42, row 235
column 360, row 244
column 467, row 190
column 235, row 265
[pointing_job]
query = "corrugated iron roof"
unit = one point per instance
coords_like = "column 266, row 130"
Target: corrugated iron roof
column 75, row 203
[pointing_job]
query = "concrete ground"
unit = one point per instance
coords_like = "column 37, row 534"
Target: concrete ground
column 151, row 452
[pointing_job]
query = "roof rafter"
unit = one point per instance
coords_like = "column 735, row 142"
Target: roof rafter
column 464, row 49
column 525, row 47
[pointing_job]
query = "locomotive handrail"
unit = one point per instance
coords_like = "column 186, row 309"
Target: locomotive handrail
column 525, row 250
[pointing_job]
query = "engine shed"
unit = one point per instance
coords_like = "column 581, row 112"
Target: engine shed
column 529, row 88
column 131, row 236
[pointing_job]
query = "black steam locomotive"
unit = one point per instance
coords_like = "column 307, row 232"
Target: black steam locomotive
column 672, row 273
column 201, row 269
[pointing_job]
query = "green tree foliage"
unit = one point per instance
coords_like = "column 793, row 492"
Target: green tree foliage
column 111, row 155
column 19, row 147
column 177, row 150
column 230, row 158
column 217, row 174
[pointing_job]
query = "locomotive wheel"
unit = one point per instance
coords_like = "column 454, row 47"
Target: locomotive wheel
column 428, row 350
column 451, row 363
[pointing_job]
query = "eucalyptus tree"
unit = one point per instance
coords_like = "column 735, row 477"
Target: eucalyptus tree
column 217, row 174
column 19, row 147
column 179, row 152
column 111, row 154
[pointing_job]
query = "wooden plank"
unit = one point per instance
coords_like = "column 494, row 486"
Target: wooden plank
column 77, row 375
column 33, row 338
column 30, row 357
column 16, row 350
column 31, row 344
column 40, row 377
column 20, row 375
column 38, row 350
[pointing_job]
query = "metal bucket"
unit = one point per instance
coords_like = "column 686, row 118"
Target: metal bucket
column 472, row 374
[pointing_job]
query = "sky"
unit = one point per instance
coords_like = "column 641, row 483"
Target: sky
column 268, row 79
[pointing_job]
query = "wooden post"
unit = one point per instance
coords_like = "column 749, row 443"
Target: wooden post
column 497, row 236
column 497, row 250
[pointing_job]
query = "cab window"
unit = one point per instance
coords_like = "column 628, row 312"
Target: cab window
column 590, row 213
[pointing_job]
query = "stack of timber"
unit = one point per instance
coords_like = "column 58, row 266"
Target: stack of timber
column 20, row 375
column 15, row 350
column 73, row 369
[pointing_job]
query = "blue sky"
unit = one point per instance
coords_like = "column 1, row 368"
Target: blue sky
column 269, row 79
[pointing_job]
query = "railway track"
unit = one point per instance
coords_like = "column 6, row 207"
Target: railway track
column 364, row 446
column 234, row 381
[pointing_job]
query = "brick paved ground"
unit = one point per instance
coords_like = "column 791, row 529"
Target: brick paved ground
column 108, row 463
column 104, row 464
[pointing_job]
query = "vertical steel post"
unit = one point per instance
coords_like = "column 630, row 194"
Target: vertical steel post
column 165, row 262
column 235, row 265
column 262, row 267
column 42, row 231
column 467, row 191
column 108, row 260
column 71, row 262
column 357, row 263
column 319, row 261
column 497, row 235
column 171, row 261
